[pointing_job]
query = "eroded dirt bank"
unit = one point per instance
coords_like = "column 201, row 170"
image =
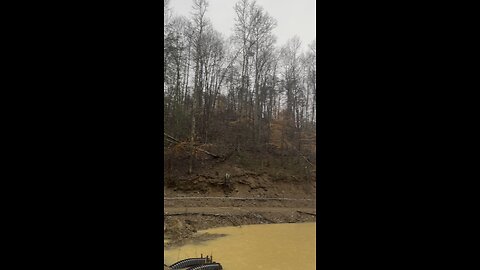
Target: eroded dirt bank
column 181, row 225
column 233, row 193
column 186, row 213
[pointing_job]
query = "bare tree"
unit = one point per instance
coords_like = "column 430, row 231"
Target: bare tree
column 233, row 90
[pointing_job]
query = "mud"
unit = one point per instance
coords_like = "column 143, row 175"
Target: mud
column 223, row 194
column 181, row 225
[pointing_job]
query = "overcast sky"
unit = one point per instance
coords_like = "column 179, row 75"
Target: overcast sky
column 294, row 17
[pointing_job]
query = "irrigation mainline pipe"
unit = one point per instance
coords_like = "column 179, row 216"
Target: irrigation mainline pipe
column 237, row 198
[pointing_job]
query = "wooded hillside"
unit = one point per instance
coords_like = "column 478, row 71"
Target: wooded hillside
column 242, row 93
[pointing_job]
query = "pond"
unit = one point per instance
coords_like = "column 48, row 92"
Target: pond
column 266, row 246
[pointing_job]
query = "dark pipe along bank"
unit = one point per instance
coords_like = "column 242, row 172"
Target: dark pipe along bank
column 210, row 266
column 191, row 262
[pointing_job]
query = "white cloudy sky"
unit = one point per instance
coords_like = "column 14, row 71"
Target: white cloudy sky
column 294, row 17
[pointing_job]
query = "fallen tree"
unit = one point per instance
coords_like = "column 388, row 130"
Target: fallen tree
column 173, row 140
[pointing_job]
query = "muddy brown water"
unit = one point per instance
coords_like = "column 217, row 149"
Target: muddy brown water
column 266, row 246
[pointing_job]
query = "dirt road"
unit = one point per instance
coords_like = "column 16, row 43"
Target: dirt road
column 234, row 210
column 183, row 221
column 207, row 202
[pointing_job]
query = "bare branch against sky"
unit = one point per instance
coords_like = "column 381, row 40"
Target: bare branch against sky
column 294, row 17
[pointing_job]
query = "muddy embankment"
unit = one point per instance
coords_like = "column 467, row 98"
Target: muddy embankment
column 182, row 228
column 232, row 196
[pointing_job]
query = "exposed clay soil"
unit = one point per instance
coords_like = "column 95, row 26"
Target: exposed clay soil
column 182, row 224
column 226, row 194
column 241, row 188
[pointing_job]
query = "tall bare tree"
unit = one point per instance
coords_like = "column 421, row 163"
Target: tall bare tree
column 236, row 90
